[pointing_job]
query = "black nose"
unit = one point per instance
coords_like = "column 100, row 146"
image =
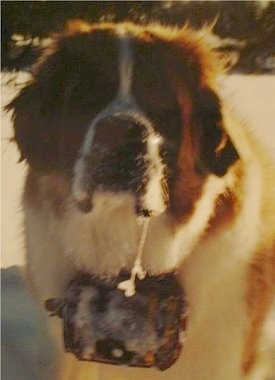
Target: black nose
column 116, row 158
column 116, row 130
column 119, row 154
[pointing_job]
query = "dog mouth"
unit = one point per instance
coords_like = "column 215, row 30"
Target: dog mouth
column 101, row 324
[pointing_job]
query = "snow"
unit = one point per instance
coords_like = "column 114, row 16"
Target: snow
column 27, row 351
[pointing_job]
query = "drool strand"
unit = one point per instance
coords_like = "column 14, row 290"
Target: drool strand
column 128, row 286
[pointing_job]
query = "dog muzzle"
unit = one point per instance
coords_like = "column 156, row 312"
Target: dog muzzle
column 101, row 324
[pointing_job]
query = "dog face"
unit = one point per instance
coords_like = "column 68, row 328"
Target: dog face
column 126, row 109
column 122, row 121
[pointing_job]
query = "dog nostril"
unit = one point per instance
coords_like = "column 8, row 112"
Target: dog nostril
column 80, row 194
column 143, row 212
column 146, row 213
column 85, row 205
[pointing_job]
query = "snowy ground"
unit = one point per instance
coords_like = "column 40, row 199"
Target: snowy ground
column 26, row 349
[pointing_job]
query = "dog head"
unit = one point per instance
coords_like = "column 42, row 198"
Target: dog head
column 126, row 109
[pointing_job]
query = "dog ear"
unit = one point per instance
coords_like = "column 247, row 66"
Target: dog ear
column 37, row 112
column 217, row 153
column 34, row 126
column 43, row 109
column 52, row 113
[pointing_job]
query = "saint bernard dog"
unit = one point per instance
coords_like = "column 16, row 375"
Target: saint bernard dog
column 137, row 165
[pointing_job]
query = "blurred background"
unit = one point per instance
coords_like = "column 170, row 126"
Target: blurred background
column 245, row 30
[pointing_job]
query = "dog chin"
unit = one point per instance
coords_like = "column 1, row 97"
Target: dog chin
column 106, row 239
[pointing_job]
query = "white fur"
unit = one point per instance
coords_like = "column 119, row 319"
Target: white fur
column 213, row 276
column 212, row 271
column 153, row 198
column 167, row 252
column 106, row 239
column 125, row 66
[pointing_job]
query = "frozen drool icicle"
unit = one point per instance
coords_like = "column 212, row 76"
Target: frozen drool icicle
column 129, row 286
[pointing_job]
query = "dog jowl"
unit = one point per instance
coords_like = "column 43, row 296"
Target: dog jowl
column 133, row 174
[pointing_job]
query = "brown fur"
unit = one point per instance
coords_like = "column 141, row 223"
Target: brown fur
column 74, row 80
